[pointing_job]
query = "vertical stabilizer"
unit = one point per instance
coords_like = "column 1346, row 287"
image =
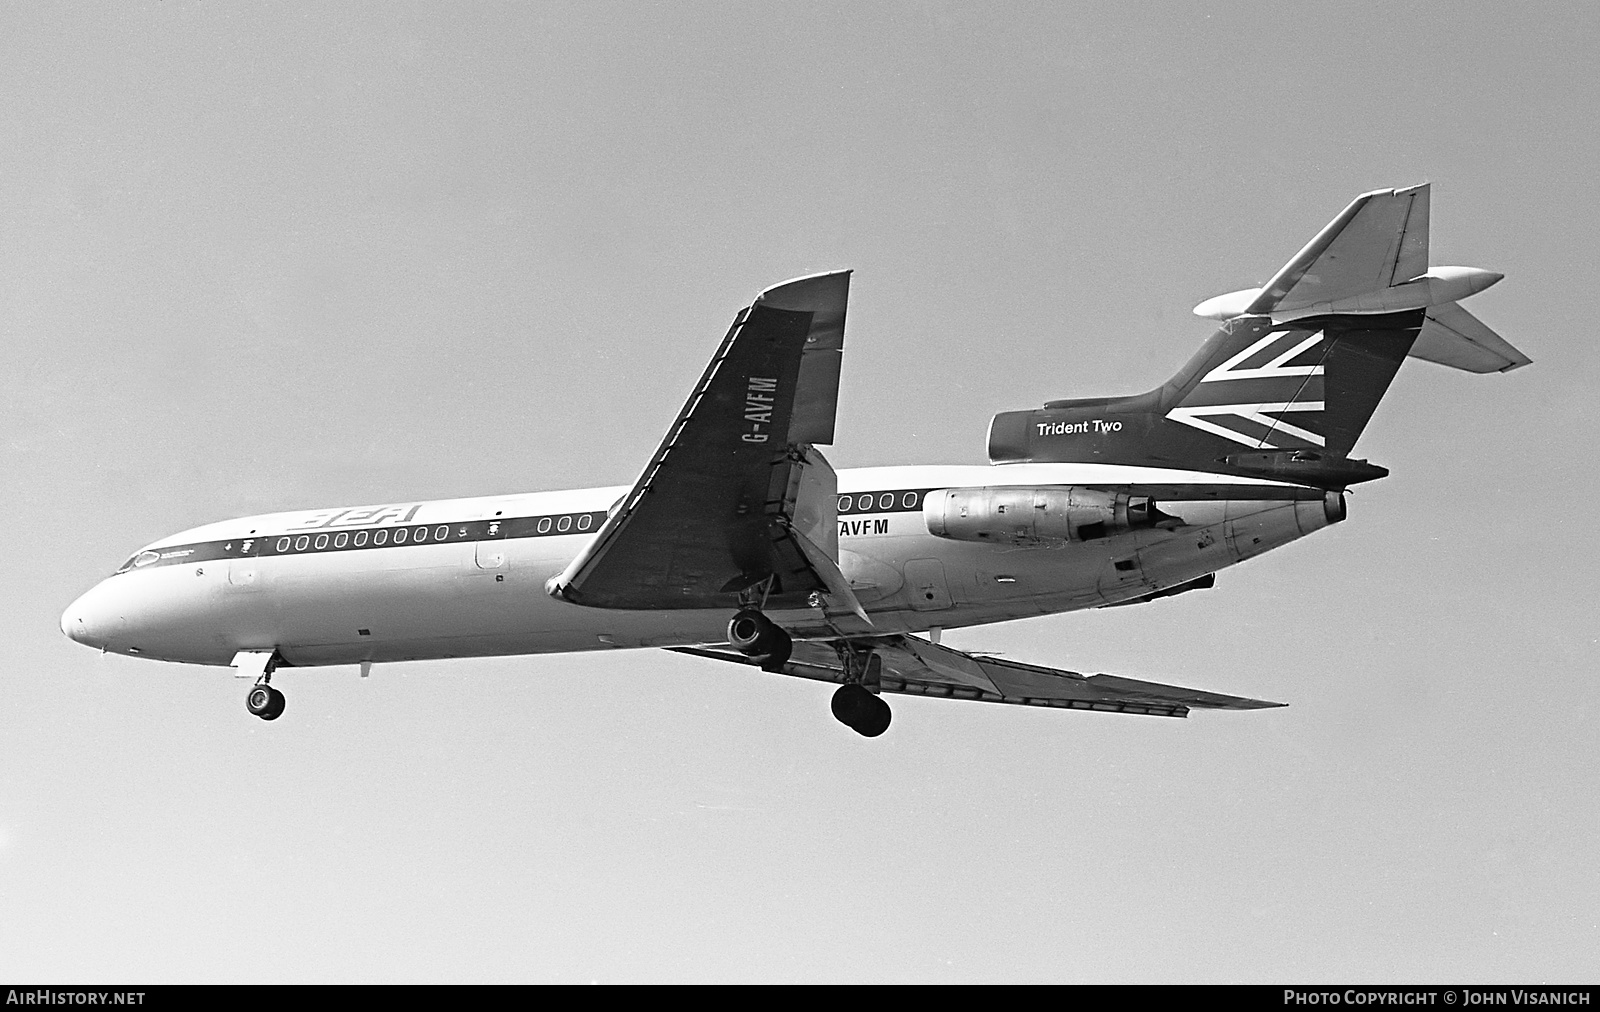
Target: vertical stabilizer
column 1288, row 383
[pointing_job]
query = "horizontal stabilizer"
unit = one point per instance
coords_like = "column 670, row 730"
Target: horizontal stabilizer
column 918, row 667
column 1236, row 491
column 1380, row 240
column 1454, row 337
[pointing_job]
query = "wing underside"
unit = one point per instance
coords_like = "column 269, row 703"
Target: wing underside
column 917, row 667
column 736, row 496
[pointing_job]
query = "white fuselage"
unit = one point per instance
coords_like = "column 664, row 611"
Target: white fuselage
column 336, row 586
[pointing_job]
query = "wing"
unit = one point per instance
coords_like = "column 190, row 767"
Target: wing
column 736, row 497
column 917, row 667
column 1380, row 240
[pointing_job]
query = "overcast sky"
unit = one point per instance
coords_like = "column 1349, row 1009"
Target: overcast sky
column 268, row 258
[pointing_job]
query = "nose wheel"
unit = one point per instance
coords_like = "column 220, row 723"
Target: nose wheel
column 265, row 702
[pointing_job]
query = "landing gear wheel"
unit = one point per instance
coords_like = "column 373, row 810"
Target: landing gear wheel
column 861, row 711
column 780, row 654
column 265, row 702
column 756, row 636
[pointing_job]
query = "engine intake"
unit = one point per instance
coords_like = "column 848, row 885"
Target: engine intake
column 1035, row 516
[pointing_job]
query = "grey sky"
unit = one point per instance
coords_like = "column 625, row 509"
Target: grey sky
column 260, row 258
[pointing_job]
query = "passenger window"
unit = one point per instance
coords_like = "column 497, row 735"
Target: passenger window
column 544, row 525
column 379, row 537
column 361, row 538
column 400, row 536
column 301, row 542
column 419, row 534
column 322, row 542
column 283, row 544
column 584, row 522
column 441, row 533
column 564, row 524
column 340, row 539
column 886, row 501
column 844, row 504
column 909, row 500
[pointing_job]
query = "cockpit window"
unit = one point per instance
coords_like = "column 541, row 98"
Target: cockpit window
column 143, row 558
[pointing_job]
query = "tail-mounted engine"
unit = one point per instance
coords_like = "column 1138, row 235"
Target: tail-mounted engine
column 1036, row 517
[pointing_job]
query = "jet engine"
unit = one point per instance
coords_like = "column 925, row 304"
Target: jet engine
column 1035, row 517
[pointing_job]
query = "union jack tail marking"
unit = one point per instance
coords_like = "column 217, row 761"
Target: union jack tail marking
column 1245, row 398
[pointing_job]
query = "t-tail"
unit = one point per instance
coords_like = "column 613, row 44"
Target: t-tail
column 1284, row 389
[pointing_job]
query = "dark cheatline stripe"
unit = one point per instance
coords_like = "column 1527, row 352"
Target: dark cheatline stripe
column 324, row 540
column 350, row 539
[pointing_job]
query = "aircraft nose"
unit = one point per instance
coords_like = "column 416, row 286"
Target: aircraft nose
column 86, row 622
column 73, row 625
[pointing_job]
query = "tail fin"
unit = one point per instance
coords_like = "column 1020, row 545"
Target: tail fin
column 1284, row 389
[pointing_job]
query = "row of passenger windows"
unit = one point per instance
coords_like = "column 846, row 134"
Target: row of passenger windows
column 381, row 536
column 879, row 502
column 371, row 537
column 565, row 524
column 573, row 523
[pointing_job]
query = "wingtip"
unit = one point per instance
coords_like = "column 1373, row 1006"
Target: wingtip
column 808, row 291
column 1243, row 703
column 1389, row 191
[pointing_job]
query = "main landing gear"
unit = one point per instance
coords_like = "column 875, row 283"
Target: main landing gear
column 861, row 711
column 856, row 704
column 757, row 636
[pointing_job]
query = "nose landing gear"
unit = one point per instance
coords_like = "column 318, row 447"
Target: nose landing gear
column 265, row 702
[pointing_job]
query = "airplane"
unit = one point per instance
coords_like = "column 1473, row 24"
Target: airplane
column 738, row 541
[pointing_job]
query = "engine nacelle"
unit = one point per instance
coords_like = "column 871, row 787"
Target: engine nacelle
column 1034, row 516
